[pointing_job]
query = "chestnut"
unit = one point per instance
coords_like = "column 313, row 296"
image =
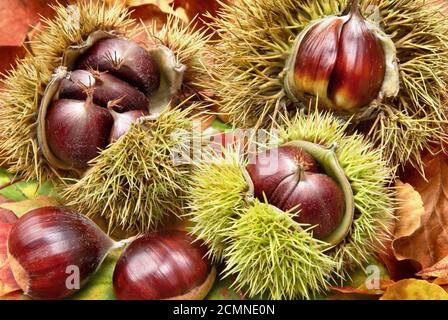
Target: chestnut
column 76, row 130
column 124, row 59
column 168, row 264
column 292, row 180
column 106, row 88
column 123, row 121
column 53, row 250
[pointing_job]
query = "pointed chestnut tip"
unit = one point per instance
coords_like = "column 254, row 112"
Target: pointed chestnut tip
column 354, row 7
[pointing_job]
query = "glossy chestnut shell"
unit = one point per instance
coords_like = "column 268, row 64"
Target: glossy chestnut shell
column 290, row 179
column 167, row 264
column 48, row 245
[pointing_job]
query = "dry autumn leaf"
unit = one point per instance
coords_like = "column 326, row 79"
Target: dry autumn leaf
column 197, row 7
column 411, row 211
column 363, row 289
column 439, row 270
column 149, row 14
column 408, row 220
column 427, row 244
column 16, row 19
column 413, row 289
column 7, row 282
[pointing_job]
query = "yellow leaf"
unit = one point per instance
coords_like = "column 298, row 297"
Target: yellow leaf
column 413, row 289
column 22, row 207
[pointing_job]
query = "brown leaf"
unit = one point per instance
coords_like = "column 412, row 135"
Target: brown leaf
column 427, row 244
column 411, row 211
column 363, row 289
column 197, row 7
column 440, row 282
column 148, row 14
column 7, row 282
column 16, row 19
column 438, row 270
column 413, row 289
column 398, row 270
column 9, row 56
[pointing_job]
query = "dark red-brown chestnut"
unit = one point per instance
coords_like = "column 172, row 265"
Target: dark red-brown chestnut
column 124, row 59
column 106, row 88
column 53, row 250
column 292, row 180
column 77, row 130
column 167, row 264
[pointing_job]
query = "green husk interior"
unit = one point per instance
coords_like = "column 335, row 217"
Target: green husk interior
column 256, row 242
column 256, row 38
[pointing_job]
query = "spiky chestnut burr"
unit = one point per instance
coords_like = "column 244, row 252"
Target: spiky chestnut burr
column 105, row 87
column 167, row 264
column 177, row 51
column 263, row 31
column 153, row 186
column 262, row 245
column 52, row 251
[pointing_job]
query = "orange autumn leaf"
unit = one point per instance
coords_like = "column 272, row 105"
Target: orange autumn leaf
column 413, row 289
column 363, row 289
column 7, row 282
column 146, row 8
column 410, row 212
column 198, row 7
column 439, row 270
column 428, row 243
column 149, row 14
column 16, row 17
column 9, row 56
column 16, row 20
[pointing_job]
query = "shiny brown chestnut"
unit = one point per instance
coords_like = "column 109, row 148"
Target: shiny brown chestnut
column 77, row 130
column 292, row 180
column 167, row 264
column 124, row 59
column 106, row 88
column 53, row 250
column 347, row 62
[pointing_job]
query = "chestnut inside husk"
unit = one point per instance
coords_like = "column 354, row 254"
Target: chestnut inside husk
column 306, row 179
column 74, row 123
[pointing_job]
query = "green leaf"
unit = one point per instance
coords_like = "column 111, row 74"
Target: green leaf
column 221, row 126
column 100, row 286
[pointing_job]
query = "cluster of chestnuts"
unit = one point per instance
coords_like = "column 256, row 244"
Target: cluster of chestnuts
column 96, row 104
column 53, row 251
